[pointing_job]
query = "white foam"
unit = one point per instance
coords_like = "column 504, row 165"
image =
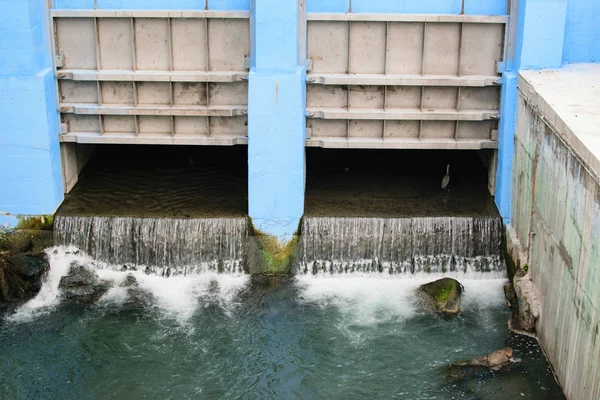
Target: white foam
column 176, row 297
column 366, row 299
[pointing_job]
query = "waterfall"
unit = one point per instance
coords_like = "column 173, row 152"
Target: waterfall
column 165, row 246
column 443, row 245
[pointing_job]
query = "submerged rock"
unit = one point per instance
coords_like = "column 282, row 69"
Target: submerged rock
column 136, row 296
column 493, row 362
column 129, row 281
column 82, row 284
column 443, row 294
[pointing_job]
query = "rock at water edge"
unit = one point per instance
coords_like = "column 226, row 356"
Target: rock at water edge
column 21, row 275
column 493, row 362
column 527, row 312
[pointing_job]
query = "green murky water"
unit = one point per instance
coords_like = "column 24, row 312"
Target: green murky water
column 226, row 336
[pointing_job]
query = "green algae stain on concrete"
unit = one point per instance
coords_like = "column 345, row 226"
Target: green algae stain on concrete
column 268, row 256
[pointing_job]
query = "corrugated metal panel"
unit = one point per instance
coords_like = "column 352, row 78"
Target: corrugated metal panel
column 404, row 81
column 158, row 77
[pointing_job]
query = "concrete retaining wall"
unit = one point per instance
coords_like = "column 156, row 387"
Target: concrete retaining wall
column 556, row 217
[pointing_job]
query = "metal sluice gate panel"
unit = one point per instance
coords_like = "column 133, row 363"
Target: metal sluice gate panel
column 404, row 81
column 152, row 77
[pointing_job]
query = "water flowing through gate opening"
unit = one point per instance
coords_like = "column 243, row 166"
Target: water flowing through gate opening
column 469, row 247
column 176, row 265
column 163, row 246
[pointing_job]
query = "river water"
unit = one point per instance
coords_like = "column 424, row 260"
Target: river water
column 210, row 335
column 348, row 326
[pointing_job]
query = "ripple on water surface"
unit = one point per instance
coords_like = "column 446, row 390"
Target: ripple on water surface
column 227, row 336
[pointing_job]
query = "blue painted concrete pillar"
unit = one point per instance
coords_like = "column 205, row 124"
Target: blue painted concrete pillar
column 538, row 44
column 30, row 172
column 277, row 117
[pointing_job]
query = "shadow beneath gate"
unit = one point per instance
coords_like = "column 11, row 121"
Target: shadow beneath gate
column 396, row 183
column 162, row 181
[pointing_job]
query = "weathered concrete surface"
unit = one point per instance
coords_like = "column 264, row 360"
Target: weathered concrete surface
column 569, row 99
column 556, row 216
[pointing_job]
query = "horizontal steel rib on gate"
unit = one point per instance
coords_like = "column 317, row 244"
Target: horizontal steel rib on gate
column 167, row 110
column 401, row 143
column 381, row 17
column 411, row 115
column 151, row 138
column 148, row 14
column 150, row 76
column 403, row 80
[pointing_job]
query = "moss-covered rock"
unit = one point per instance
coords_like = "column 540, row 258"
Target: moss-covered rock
column 25, row 240
column 41, row 223
column 22, row 262
column 443, row 295
column 21, row 275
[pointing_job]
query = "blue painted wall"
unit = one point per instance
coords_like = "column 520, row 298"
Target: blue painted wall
column 549, row 32
column 276, row 120
column 30, row 172
column 539, row 44
column 540, row 34
column 582, row 32
column 488, row 7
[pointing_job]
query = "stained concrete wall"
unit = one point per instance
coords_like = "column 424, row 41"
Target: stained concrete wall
column 30, row 173
column 546, row 34
column 556, row 219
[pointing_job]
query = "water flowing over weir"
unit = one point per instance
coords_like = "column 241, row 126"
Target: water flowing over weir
column 168, row 246
column 401, row 245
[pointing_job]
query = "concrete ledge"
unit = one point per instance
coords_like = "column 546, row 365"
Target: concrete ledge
column 569, row 101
